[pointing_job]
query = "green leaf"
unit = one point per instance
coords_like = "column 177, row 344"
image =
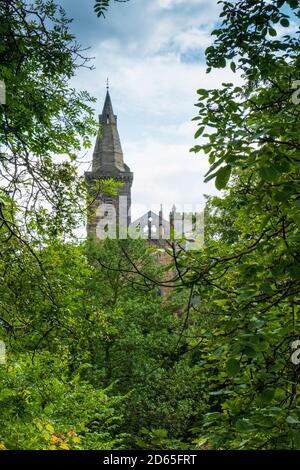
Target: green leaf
column 296, row 218
column 284, row 194
column 199, row 132
column 221, row 62
column 269, row 173
column 202, row 92
column 272, row 32
column 291, row 420
column 293, row 3
column 244, row 425
column 249, row 351
column 267, row 395
column 285, row 22
column 232, row 367
column 233, row 66
column 297, row 202
column 222, row 177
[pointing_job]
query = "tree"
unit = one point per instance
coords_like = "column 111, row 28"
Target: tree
column 101, row 6
column 248, row 275
column 47, row 407
column 46, row 397
column 87, row 329
column 139, row 345
column 44, row 123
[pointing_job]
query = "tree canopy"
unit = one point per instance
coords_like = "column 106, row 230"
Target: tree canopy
column 96, row 357
column 249, row 272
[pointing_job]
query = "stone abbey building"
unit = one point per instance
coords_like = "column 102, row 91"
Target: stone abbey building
column 109, row 216
column 108, row 162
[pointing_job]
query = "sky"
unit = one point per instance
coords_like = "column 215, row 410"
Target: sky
column 153, row 53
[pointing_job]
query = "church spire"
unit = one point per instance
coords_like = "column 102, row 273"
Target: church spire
column 108, row 210
column 108, row 112
column 108, row 154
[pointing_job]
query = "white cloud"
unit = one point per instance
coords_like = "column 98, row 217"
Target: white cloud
column 158, row 85
column 174, row 3
column 153, row 92
column 193, row 38
column 166, row 173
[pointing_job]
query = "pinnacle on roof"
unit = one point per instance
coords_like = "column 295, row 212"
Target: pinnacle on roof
column 108, row 154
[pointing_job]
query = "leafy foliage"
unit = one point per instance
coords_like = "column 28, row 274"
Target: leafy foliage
column 84, row 331
column 44, row 125
column 101, row 6
column 96, row 357
column 44, row 407
column 248, row 275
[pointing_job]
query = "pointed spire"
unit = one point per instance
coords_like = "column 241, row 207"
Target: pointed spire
column 107, row 115
column 108, row 154
column 161, row 230
column 160, row 214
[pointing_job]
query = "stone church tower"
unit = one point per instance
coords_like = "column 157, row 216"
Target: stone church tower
column 109, row 212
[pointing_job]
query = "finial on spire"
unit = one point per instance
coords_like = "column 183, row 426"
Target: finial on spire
column 107, row 84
